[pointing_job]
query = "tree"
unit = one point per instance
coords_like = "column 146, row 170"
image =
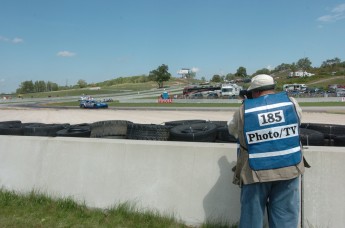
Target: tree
column 160, row 75
column 293, row 68
column 230, row 77
column 26, row 87
column 81, row 83
column 304, row 64
column 216, row 78
column 282, row 67
column 331, row 63
column 51, row 86
column 190, row 75
column 40, row 86
column 262, row 71
column 242, row 72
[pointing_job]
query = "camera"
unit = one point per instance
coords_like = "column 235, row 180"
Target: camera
column 245, row 94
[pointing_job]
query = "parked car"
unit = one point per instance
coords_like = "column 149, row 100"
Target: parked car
column 92, row 104
column 212, row 96
column 196, row 96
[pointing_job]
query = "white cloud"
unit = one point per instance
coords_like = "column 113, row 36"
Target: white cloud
column 337, row 13
column 339, row 9
column 15, row 40
column 65, row 54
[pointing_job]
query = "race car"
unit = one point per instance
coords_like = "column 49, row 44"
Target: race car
column 92, row 104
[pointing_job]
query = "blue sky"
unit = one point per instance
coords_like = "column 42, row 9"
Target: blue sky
column 66, row 40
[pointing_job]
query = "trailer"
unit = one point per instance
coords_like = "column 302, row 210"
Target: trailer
column 230, row 90
column 295, row 87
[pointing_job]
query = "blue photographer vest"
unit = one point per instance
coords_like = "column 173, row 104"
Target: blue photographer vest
column 271, row 130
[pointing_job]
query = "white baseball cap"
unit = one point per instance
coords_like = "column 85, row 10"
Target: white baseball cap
column 261, row 82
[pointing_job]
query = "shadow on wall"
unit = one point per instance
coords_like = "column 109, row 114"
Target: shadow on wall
column 222, row 203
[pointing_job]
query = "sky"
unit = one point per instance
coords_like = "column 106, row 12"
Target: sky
column 63, row 41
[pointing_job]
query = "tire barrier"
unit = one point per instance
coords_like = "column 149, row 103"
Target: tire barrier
column 223, row 135
column 329, row 130
column 11, row 128
column 107, row 128
column 182, row 122
column 311, row 137
column 196, row 132
column 11, row 122
column 41, row 129
column 339, row 140
column 78, row 130
column 148, row 132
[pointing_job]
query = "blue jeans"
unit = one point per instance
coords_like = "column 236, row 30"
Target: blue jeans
column 282, row 199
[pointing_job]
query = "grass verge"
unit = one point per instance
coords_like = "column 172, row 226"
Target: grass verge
column 38, row 210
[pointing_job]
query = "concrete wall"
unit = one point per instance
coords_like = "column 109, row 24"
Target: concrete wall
column 190, row 180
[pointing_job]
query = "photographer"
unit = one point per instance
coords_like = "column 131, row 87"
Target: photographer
column 270, row 160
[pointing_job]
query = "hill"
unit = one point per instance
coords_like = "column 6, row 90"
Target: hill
column 132, row 84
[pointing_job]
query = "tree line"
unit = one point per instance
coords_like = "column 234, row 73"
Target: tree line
column 37, row 86
column 161, row 74
column 304, row 64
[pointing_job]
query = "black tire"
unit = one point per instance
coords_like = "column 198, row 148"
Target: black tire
column 11, row 128
column 78, row 130
column 12, row 123
column 109, row 128
column 198, row 132
column 311, row 137
column 224, row 135
column 329, row 130
column 183, row 122
column 339, row 140
column 41, row 129
column 148, row 132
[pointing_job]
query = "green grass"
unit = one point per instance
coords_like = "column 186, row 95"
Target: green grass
column 39, row 210
column 105, row 90
column 321, row 104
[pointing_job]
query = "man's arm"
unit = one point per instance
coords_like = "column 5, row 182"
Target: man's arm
column 233, row 124
column 298, row 108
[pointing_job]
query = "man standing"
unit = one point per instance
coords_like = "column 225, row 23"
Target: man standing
column 270, row 159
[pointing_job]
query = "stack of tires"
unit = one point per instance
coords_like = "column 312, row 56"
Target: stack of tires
column 30, row 129
column 148, row 132
column 11, row 128
column 311, row 134
column 77, row 130
column 115, row 129
column 199, row 131
column 318, row 134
